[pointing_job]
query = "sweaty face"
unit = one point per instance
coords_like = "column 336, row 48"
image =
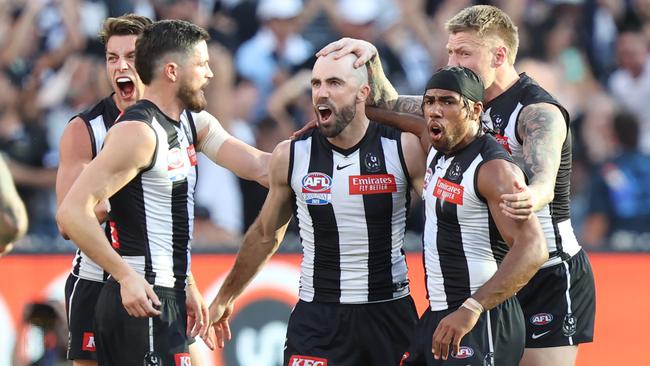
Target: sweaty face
column 195, row 75
column 447, row 120
column 469, row 50
column 334, row 96
column 120, row 67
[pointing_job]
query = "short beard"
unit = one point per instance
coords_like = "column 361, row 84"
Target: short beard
column 192, row 100
column 342, row 121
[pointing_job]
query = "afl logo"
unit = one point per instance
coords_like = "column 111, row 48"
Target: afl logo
column 541, row 319
column 316, row 188
column 464, row 352
column 174, row 159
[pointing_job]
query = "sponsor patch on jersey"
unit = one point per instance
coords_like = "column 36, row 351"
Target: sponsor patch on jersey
column 182, row 359
column 191, row 153
column 427, row 177
column 298, row 360
column 88, row 342
column 449, row 192
column 176, row 165
column 372, row 184
column 503, row 141
column 541, row 319
column 317, row 188
column 463, row 352
column 115, row 240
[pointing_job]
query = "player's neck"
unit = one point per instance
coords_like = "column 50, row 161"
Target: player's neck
column 165, row 98
column 352, row 133
column 505, row 78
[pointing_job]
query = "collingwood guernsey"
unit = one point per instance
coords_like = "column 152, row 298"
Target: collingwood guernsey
column 351, row 207
column 500, row 116
column 98, row 119
column 462, row 246
column 151, row 217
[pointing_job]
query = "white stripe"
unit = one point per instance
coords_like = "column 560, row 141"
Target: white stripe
column 398, row 219
column 489, row 331
column 568, row 295
column 71, row 298
column 99, row 131
column 353, row 232
column 150, row 334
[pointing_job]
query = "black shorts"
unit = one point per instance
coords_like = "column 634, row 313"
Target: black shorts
column 127, row 341
column 349, row 334
column 497, row 339
column 559, row 304
column 80, row 299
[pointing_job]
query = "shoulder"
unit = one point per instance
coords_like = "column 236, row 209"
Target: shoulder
column 141, row 111
column 497, row 177
column 76, row 139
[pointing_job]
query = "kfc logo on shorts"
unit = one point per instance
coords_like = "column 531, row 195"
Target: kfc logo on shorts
column 88, row 342
column 316, row 188
column 298, row 360
column 463, row 352
column 182, row 359
column 541, row 319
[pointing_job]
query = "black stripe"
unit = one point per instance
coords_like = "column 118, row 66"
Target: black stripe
column 453, row 262
column 327, row 263
column 378, row 210
column 93, row 142
column 77, row 264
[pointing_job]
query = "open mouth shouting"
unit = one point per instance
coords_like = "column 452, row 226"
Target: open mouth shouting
column 324, row 112
column 125, row 86
column 435, row 131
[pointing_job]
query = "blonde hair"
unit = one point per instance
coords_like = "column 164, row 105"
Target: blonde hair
column 487, row 20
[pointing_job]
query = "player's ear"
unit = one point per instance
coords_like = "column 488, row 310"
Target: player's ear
column 171, row 71
column 500, row 56
column 363, row 94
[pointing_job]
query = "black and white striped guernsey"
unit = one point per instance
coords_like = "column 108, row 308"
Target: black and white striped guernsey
column 98, row 119
column 151, row 218
column 462, row 246
column 351, row 206
column 500, row 116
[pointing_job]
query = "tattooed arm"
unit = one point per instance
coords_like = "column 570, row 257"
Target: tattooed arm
column 543, row 130
column 13, row 216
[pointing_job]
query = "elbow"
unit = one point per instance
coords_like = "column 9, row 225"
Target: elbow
column 12, row 230
column 62, row 220
column 541, row 251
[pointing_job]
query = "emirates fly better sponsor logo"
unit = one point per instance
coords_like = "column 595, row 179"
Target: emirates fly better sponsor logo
column 372, row 184
column 316, row 188
column 448, row 191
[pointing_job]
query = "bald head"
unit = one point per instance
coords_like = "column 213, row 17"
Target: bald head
column 343, row 68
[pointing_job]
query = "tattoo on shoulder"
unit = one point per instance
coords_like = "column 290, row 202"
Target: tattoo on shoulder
column 409, row 104
column 543, row 131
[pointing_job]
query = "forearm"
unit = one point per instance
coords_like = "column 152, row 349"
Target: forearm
column 255, row 251
column 543, row 188
column 408, row 122
column 517, row 268
column 382, row 92
column 82, row 227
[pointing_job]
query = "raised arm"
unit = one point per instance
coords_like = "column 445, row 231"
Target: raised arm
column 383, row 94
column 260, row 242
column 13, row 216
column 242, row 159
column 543, row 130
column 527, row 253
column 129, row 147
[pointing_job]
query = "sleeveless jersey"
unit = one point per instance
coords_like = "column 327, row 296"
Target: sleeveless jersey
column 462, row 246
column 151, row 218
column 98, row 119
column 501, row 116
column 351, row 206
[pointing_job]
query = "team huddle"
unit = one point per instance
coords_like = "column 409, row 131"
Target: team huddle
column 486, row 149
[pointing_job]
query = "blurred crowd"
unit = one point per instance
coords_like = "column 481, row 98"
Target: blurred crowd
column 593, row 55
